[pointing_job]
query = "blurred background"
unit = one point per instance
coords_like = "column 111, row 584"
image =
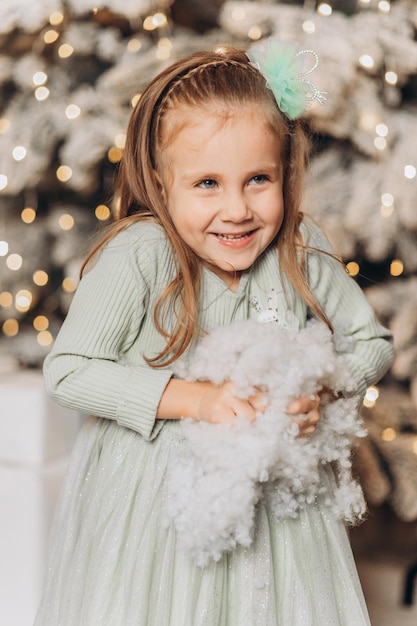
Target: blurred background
column 70, row 72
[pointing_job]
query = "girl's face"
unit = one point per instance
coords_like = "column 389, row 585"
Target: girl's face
column 224, row 188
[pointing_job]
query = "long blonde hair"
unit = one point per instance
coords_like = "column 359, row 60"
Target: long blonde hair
column 222, row 78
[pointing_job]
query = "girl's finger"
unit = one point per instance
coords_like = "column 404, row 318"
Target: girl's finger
column 244, row 408
column 304, row 405
column 258, row 401
column 306, row 432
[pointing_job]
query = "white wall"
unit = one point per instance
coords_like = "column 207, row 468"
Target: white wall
column 36, row 437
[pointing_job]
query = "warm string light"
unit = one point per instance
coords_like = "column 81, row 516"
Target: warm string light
column 309, row 27
column 28, row 215
column 396, row 267
column 410, row 171
column 102, row 212
column 371, row 396
column 255, row 31
column 40, row 278
column 39, row 78
column 19, row 153
column 66, row 221
column 387, row 205
column 14, row 262
column 47, row 37
column 10, row 327
column 29, row 211
column 6, row 299
column 120, row 140
column 65, row 50
column 134, row 45
column 380, row 143
column 384, row 6
column 56, row 18
column 324, row 9
column 23, row 300
column 391, row 77
column 63, row 173
column 381, row 132
column 155, row 21
column 52, row 31
column 69, row 284
column 159, row 22
column 41, row 93
column 3, row 181
column 44, row 338
column 163, row 48
column 40, row 323
column 367, row 61
column 72, row 111
column 114, row 154
column 388, row 434
column 135, row 99
column 50, row 36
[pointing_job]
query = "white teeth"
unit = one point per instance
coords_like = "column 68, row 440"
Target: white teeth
column 232, row 237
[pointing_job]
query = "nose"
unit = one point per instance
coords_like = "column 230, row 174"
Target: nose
column 235, row 207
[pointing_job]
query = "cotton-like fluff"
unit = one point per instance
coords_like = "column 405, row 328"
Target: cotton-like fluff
column 215, row 486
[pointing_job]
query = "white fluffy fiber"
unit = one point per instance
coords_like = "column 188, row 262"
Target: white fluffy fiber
column 214, row 488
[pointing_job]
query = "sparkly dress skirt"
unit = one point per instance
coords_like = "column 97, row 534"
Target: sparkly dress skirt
column 115, row 560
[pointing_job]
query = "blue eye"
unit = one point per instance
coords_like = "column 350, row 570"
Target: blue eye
column 258, row 179
column 208, row 183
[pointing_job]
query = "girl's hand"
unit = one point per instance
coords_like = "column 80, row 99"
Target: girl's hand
column 310, row 407
column 204, row 401
column 218, row 404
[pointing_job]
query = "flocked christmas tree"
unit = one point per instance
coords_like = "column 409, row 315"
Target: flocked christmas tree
column 70, row 71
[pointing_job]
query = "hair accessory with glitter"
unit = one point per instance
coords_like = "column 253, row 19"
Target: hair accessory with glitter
column 281, row 64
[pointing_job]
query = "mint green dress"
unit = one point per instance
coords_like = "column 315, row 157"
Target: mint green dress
column 114, row 556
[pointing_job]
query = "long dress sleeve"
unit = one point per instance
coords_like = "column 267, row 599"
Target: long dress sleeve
column 91, row 367
column 371, row 352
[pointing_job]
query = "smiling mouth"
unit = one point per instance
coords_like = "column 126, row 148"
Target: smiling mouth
column 236, row 237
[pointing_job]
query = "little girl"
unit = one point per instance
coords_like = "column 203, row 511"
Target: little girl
column 208, row 223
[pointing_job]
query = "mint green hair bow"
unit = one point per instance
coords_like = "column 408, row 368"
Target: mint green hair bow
column 281, row 64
